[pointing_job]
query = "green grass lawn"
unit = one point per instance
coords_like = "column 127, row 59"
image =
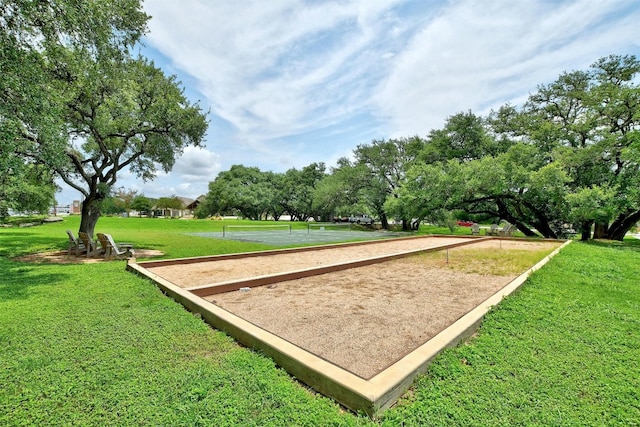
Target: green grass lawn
column 92, row 344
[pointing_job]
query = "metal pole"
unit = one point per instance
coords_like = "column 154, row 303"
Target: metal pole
column 224, row 230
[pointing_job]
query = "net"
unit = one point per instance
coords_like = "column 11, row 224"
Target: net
column 328, row 226
column 248, row 229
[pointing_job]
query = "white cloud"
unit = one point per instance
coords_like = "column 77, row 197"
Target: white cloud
column 189, row 177
column 277, row 68
column 480, row 55
column 197, row 164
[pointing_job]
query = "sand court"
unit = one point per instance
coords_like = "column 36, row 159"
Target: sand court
column 351, row 320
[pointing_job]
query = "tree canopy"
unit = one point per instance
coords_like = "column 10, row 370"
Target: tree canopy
column 258, row 195
column 586, row 124
column 130, row 116
column 567, row 159
column 564, row 160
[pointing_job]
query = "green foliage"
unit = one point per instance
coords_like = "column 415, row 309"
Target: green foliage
column 592, row 116
column 33, row 39
column 594, row 203
column 111, row 205
column 426, row 193
column 141, row 203
column 138, row 118
column 567, row 157
column 25, row 188
column 258, row 195
column 296, row 196
column 247, row 190
column 172, row 202
column 329, row 197
column 386, row 163
column 106, row 27
column 464, row 137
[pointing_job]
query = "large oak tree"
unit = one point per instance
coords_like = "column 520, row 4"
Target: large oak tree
column 33, row 36
column 567, row 158
column 128, row 116
column 77, row 102
column 587, row 124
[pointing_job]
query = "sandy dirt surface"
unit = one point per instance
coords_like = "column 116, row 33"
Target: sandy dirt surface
column 362, row 319
column 204, row 273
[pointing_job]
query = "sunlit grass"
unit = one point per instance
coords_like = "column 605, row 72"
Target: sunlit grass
column 494, row 261
column 170, row 236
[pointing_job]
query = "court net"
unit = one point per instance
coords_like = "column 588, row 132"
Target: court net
column 328, row 226
column 248, row 229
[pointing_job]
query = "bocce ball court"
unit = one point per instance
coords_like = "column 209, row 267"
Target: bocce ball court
column 355, row 321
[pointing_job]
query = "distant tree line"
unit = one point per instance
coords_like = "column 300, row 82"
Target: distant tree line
column 568, row 159
column 125, row 201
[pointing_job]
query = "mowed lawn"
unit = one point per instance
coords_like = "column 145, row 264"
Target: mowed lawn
column 92, row 344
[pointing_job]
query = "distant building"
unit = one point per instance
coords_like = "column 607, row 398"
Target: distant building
column 187, row 211
column 191, row 207
column 60, row 210
column 72, row 209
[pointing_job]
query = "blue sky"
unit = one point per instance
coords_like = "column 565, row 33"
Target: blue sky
column 291, row 82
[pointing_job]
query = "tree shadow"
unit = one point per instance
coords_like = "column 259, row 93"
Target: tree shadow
column 14, row 244
column 628, row 244
column 19, row 280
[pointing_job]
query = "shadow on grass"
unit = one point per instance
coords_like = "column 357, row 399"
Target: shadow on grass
column 19, row 279
column 629, row 244
column 22, row 243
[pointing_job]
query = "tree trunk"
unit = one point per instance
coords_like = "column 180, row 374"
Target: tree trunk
column 621, row 225
column 543, row 228
column 540, row 223
column 600, row 230
column 585, row 230
column 384, row 221
column 527, row 231
column 90, row 215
